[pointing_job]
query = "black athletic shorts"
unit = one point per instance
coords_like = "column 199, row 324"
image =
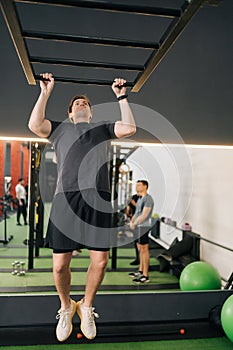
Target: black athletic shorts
column 141, row 235
column 77, row 221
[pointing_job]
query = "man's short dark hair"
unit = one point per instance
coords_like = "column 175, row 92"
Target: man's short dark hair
column 20, row 179
column 144, row 182
column 78, row 97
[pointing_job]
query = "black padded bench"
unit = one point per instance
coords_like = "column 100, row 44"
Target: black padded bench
column 179, row 254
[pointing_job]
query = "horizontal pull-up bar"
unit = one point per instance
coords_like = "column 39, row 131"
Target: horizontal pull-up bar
column 112, row 7
column 88, row 39
column 81, row 63
column 83, row 81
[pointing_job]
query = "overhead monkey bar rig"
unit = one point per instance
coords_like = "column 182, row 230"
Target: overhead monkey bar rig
column 179, row 19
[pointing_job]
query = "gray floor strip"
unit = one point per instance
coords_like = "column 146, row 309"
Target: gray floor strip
column 133, row 287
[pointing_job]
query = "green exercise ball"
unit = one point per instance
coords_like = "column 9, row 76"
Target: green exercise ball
column 227, row 317
column 199, row 275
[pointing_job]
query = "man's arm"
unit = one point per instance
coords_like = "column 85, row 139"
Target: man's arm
column 126, row 126
column 133, row 202
column 141, row 218
column 37, row 122
column 18, row 197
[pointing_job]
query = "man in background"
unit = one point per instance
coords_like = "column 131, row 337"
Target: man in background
column 141, row 225
column 21, row 201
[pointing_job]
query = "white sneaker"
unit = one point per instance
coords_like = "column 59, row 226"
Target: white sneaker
column 87, row 315
column 65, row 326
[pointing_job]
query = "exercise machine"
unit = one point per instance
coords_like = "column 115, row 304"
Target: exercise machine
column 4, row 202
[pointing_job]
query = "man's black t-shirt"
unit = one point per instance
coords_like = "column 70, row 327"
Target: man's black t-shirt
column 82, row 152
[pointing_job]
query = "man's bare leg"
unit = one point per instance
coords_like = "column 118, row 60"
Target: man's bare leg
column 145, row 258
column 140, row 257
column 62, row 277
column 95, row 274
column 138, row 245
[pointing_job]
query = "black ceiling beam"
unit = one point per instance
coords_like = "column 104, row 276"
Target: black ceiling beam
column 112, row 7
column 174, row 30
column 84, row 81
column 89, row 40
column 81, row 63
column 12, row 21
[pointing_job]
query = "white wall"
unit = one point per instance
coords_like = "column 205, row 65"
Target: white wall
column 195, row 185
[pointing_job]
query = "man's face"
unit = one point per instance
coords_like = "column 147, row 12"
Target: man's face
column 140, row 187
column 81, row 109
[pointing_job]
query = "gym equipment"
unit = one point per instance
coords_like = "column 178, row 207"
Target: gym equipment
column 36, row 208
column 18, row 268
column 200, row 275
column 229, row 284
column 227, row 317
column 4, row 203
column 14, row 268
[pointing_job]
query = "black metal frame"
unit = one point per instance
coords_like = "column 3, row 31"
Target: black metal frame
column 229, row 284
column 118, row 155
column 4, row 204
column 36, row 212
column 180, row 18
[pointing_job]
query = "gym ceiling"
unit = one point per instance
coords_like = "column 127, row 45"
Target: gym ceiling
column 176, row 56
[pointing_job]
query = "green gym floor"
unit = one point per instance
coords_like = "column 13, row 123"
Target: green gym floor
column 193, row 344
